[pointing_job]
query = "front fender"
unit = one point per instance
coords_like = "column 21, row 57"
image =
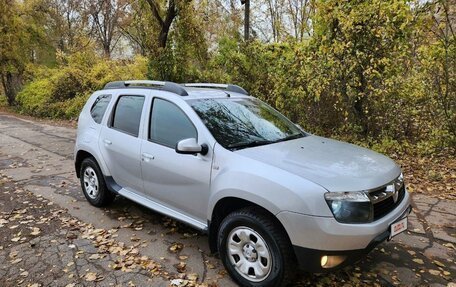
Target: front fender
column 281, row 191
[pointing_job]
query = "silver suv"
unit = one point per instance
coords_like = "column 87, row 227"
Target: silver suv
column 268, row 194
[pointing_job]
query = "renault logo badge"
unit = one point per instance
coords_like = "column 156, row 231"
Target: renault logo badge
column 395, row 195
column 393, row 190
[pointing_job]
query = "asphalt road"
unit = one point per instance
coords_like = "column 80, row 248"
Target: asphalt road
column 125, row 244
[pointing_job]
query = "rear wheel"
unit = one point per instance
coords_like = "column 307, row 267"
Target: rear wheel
column 93, row 184
column 255, row 249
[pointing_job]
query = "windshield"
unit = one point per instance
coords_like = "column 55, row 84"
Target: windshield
column 245, row 122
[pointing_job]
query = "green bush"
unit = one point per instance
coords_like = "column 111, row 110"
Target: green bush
column 61, row 92
column 35, row 97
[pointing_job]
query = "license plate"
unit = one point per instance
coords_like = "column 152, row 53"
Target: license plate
column 398, row 227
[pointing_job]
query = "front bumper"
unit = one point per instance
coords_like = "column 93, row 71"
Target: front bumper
column 310, row 259
column 313, row 237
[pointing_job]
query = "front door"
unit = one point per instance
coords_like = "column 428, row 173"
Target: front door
column 175, row 180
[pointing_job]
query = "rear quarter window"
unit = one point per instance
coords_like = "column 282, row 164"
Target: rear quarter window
column 99, row 108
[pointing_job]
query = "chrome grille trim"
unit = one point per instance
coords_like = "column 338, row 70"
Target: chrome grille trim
column 384, row 207
column 385, row 198
column 384, row 192
column 379, row 195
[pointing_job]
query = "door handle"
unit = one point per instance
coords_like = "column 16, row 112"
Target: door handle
column 147, row 157
column 107, row 142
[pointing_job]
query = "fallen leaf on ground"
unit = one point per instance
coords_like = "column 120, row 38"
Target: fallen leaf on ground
column 95, row 256
column 192, row 277
column 91, row 276
column 16, row 261
column 181, row 267
column 175, row 247
column 13, row 254
column 179, row 282
column 438, row 263
column 116, row 266
column 419, row 261
column 449, row 245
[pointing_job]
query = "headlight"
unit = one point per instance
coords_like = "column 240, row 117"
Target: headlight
column 350, row 207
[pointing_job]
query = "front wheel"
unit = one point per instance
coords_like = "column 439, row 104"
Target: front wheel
column 255, row 249
column 93, row 184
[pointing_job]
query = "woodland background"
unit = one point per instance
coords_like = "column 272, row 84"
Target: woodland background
column 377, row 73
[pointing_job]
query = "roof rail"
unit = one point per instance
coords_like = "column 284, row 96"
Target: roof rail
column 162, row 85
column 227, row 87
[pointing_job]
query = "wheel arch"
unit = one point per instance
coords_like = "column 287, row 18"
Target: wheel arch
column 80, row 156
column 83, row 154
column 227, row 205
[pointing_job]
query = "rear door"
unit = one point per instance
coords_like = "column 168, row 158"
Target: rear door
column 120, row 143
column 179, row 181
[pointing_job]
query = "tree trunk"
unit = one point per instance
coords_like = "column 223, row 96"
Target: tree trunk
column 163, row 36
column 359, row 104
column 165, row 24
column 247, row 20
column 11, row 85
column 107, row 50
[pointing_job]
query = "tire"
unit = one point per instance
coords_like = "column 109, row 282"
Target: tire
column 259, row 245
column 93, row 184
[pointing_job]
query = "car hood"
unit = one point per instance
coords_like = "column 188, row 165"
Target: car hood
column 335, row 165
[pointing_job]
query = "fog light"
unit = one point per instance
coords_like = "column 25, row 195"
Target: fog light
column 324, row 260
column 331, row 261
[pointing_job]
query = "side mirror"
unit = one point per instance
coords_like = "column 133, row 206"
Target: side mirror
column 191, row 146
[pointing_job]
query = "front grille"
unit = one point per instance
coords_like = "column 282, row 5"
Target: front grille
column 383, row 207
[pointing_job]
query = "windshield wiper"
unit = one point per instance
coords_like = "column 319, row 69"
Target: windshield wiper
column 249, row 144
column 255, row 143
column 292, row 137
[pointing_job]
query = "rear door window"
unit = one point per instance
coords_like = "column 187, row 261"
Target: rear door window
column 127, row 114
